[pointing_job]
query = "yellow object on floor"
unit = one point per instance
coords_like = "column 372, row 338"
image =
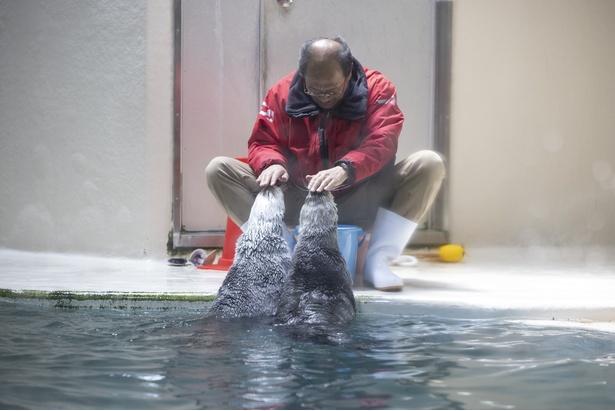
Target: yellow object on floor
column 451, row 253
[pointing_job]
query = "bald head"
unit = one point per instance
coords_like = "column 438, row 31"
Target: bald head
column 324, row 50
column 323, row 53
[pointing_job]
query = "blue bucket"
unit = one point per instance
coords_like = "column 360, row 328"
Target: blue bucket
column 349, row 239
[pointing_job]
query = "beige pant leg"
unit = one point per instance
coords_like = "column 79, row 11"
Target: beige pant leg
column 417, row 180
column 409, row 189
column 233, row 184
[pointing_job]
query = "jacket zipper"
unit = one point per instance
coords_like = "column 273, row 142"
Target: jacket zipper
column 323, row 141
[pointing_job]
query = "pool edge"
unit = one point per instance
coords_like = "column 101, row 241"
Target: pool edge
column 110, row 299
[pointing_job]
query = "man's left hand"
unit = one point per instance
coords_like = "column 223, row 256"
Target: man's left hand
column 327, row 179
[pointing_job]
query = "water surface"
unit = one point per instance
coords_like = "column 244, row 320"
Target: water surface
column 110, row 359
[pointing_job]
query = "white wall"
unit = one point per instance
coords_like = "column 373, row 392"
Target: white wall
column 86, row 126
column 533, row 122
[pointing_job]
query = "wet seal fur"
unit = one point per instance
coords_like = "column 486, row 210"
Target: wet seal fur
column 262, row 261
column 318, row 289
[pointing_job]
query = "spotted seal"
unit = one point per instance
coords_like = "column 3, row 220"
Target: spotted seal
column 262, row 262
column 318, row 289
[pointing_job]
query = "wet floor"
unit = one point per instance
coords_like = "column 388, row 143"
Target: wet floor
column 545, row 283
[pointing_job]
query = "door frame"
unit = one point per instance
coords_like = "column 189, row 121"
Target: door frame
column 434, row 230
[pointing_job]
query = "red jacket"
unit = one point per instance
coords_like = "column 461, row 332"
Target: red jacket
column 362, row 130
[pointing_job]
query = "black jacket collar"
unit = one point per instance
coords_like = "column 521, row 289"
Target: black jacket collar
column 352, row 107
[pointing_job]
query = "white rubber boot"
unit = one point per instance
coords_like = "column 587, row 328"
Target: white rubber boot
column 389, row 237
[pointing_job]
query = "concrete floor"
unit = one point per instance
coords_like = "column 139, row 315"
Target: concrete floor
column 575, row 286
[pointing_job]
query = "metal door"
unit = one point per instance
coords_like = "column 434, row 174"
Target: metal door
column 231, row 51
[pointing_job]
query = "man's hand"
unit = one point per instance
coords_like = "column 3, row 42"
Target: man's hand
column 271, row 175
column 327, row 179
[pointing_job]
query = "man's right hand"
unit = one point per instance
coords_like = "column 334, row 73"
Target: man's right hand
column 271, row 175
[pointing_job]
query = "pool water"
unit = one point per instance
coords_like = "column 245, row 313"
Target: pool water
column 109, row 359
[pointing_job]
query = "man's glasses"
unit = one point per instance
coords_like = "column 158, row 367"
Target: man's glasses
column 323, row 95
